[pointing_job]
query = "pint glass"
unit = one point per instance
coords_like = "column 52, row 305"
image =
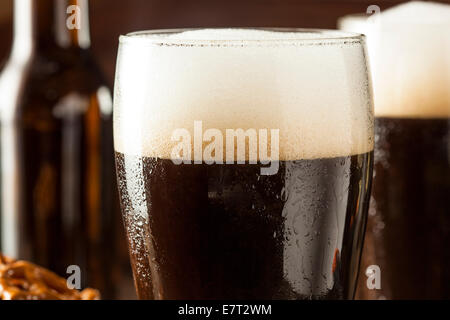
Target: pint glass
column 408, row 233
column 244, row 161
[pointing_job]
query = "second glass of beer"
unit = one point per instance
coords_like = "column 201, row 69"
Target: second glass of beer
column 408, row 233
column 244, row 161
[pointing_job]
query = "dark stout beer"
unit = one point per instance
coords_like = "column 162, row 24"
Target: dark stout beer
column 283, row 224
column 228, row 232
column 410, row 224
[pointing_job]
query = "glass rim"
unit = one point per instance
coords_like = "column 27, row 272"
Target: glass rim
column 324, row 36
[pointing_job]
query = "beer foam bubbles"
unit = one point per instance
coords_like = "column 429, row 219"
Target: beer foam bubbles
column 310, row 85
column 409, row 50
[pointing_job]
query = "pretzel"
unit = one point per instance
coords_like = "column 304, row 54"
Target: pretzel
column 22, row 280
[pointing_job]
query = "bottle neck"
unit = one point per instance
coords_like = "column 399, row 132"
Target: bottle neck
column 46, row 24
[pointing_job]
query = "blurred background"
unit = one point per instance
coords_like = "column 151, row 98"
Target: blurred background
column 110, row 18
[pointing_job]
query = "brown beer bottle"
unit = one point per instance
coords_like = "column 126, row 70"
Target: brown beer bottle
column 57, row 171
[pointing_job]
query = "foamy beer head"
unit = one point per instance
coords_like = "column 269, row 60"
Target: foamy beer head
column 311, row 85
column 409, row 50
